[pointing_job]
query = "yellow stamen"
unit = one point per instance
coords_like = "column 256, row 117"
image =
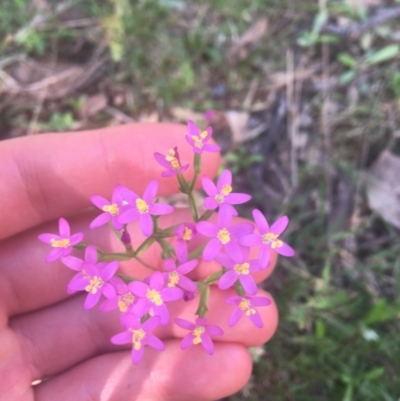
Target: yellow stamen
column 113, row 209
column 198, row 142
column 60, row 243
column 224, row 236
column 226, row 190
column 271, row 238
column 204, row 134
column 173, row 160
column 197, row 332
column 137, row 337
column 245, row 305
column 125, row 301
column 173, row 279
column 94, row 284
column 142, row 206
column 243, row 268
column 154, row 296
column 187, row 234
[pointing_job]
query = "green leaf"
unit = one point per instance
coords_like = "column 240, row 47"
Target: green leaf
column 382, row 312
column 385, row 54
column 347, row 76
column 347, row 60
column 374, row 373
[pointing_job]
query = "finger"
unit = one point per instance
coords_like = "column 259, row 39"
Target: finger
column 27, row 282
column 52, row 175
column 47, row 347
column 172, row 375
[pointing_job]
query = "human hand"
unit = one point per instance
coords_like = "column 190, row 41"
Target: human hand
column 46, row 334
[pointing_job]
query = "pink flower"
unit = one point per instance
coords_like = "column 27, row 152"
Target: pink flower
column 62, row 243
column 143, row 208
column 223, row 235
column 124, row 300
column 111, row 210
column 153, row 296
column 176, row 275
column 221, row 195
column 184, row 233
column 268, row 238
column 198, row 140
column 200, row 333
column 139, row 335
column 93, row 278
column 245, row 306
column 75, row 263
column 171, row 162
column 239, row 268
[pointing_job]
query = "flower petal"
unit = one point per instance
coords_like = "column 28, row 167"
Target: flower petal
column 185, row 324
column 64, row 229
column 163, row 312
column 157, row 281
column 72, row 262
column 235, row 317
column 248, row 283
column 137, row 355
column 207, row 229
column 100, row 220
column 171, row 294
column 285, row 250
column 138, row 288
column 187, row 284
column 210, row 203
column 237, row 198
column 240, row 230
column 99, row 201
column 109, row 270
column 146, row 224
column 207, row 344
column 256, row 319
column 161, row 160
column 211, row 250
column 47, row 237
column 55, row 254
column 224, row 218
column 208, row 186
column 76, row 238
column 154, row 342
column 214, row 330
column 91, row 254
column 193, row 130
column 261, row 222
column 151, row 191
column 187, row 267
column 108, row 291
column 122, row 338
column 129, row 215
column 234, row 250
column 227, row 280
column 260, row 301
column 91, row 300
column 151, row 324
column 181, row 250
column 250, row 240
column 280, row 225
column 224, row 179
column 128, row 195
column 264, row 256
column 211, row 148
column 187, row 341
column 159, row 209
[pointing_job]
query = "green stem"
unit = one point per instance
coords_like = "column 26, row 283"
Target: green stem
column 239, row 289
column 126, row 278
column 212, row 278
column 184, row 187
column 206, row 215
column 111, row 256
column 145, row 246
column 196, row 253
column 193, row 207
column 202, row 309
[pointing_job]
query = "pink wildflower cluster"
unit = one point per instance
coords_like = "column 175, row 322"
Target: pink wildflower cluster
column 240, row 249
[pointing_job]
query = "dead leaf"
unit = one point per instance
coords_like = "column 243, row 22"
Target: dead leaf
column 240, row 49
column 383, row 187
column 184, row 115
column 241, row 127
column 94, row 104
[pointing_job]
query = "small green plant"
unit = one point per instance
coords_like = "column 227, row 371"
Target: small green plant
column 61, row 121
column 241, row 159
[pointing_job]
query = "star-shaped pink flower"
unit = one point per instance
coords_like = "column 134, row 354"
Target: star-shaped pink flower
column 184, row 234
column 111, row 210
column 139, row 335
column 221, row 195
column 62, row 244
column 143, row 208
column 176, row 275
column 200, row 333
column 198, row 139
column 153, row 296
column 268, row 238
column 223, row 235
column 246, row 306
column 171, row 162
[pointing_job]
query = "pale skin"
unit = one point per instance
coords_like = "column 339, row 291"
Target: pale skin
column 44, row 333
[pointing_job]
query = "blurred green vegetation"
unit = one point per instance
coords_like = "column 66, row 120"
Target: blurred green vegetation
column 339, row 298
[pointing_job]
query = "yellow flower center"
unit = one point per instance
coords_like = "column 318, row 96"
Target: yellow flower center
column 173, row 279
column 198, row 142
column 224, row 236
column 187, row 234
column 94, row 284
column 271, row 238
column 242, row 268
column 204, row 134
column 137, row 337
column 112, row 209
column 226, row 190
column 60, row 243
column 155, row 297
column 245, row 305
column 142, row 206
column 125, row 301
column 172, row 159
column 197, row 332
